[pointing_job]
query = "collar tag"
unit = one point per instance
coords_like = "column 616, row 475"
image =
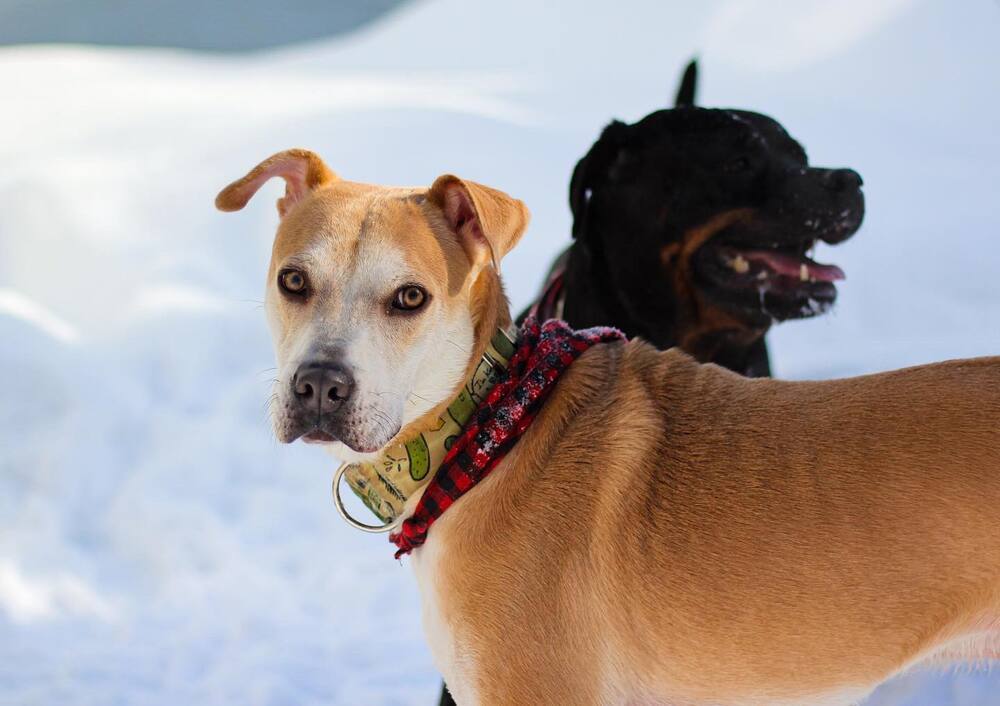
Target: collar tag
column 386, row 484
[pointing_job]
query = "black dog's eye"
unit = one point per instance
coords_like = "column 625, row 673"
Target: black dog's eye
column 409, row 298
column 293, row 282
column 740, row 164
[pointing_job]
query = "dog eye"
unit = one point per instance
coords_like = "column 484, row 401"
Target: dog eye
column 292, row 282
column 409, row 298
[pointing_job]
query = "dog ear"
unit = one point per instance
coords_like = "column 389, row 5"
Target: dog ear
column 302, row 170
column 589, row 170
column 689, row 85
column 578, row 192
column 488, row 222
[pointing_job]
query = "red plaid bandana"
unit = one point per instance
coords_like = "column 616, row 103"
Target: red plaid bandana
column 543, row 352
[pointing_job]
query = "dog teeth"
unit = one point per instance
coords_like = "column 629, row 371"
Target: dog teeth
column 739, row 264
column 803, row 272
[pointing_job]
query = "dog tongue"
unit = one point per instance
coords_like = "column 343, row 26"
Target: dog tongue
column 791, row 265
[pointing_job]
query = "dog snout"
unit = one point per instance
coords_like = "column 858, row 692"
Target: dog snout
column 842, row 180
column 322, row 385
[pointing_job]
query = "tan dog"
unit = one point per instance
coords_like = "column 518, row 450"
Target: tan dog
column 665, row 532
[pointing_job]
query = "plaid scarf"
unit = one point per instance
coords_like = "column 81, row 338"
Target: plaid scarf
column 543, row 353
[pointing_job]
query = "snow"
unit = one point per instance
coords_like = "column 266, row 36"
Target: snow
column 157, row 545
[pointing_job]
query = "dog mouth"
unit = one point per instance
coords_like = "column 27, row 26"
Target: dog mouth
column 318, row 436
column 326, row 431
column 768, row 281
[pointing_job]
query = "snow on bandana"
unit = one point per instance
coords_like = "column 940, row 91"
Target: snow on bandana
column 543, row 352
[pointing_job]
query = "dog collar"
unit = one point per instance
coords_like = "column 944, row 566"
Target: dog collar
column 386, row 484
column 543, row 353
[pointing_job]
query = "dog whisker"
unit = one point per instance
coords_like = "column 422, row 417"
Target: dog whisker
column 460, row 347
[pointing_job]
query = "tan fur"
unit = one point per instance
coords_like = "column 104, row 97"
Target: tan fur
column 734, row 541
column 703, row 321
column 671, row 533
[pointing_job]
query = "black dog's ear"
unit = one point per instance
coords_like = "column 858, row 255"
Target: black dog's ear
column 578, row 192
column 689, row 85
column 592, row 167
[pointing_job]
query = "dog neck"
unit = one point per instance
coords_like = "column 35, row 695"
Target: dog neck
column 542, row 354
column 386, row 484
column 589, row 298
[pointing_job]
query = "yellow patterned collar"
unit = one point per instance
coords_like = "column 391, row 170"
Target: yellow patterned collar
column 384, row 485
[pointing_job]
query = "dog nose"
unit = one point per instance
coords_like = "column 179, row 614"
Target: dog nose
column 322, row 385
column 842, row 180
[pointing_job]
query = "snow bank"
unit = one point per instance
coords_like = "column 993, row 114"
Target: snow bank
column 157, row 545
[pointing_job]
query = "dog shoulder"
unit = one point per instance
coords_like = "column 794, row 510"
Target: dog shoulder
column 675, row 377
column 628, row 371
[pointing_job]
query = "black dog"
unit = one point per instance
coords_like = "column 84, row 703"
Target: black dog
column 691, row 228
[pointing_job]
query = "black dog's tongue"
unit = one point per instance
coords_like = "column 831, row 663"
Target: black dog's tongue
column 794, row 266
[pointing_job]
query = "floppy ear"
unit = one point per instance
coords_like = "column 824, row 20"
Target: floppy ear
column 302, row 170
column 588, row 170
column 689, row 85
column 578, row 187
column 488, row 222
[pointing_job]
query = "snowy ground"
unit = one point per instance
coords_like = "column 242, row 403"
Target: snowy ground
column 156, row 545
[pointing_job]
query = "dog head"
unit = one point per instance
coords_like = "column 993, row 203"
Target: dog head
column 379, row 299
column 703, row 221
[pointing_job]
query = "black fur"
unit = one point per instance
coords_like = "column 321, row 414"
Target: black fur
column 643, row 188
